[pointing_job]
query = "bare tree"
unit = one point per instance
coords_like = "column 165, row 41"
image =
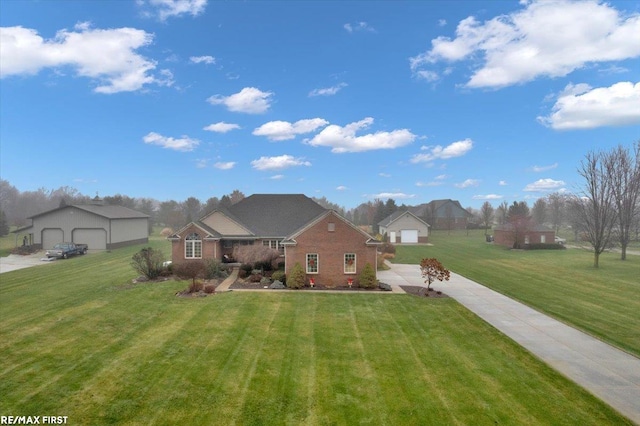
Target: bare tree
column 539, row 211
column 557, row 209
column 486, row 212
column 623, row 170
column 595, row 204
column 520, row 220
column 502, row 212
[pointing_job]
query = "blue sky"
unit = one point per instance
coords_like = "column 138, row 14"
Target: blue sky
column 469, row 100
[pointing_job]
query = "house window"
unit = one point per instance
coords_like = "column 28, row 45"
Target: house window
column 193, row 247
column 274, row 244
column 312, row 263
column 526, row 239
column 543, row 238
column 349, row 263
column 331, row 227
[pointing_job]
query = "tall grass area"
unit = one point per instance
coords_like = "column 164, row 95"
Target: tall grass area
column 604, row 302
column 78, row 339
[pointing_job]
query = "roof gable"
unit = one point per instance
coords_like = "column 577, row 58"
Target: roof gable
column 386, row 222
column 291, row 238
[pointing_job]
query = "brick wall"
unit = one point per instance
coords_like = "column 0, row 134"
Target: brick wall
column 210, row 249
column 331, row 247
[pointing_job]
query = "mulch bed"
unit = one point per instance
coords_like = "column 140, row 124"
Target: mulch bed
column 241, row 284
column 418, row 291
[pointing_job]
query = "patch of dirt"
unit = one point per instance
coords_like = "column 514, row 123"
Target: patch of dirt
column 418, row 291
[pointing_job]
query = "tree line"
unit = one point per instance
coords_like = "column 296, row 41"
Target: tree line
column 604, row 210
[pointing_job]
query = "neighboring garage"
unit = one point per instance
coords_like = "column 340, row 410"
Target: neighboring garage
column 403, row 227
column 99, row 226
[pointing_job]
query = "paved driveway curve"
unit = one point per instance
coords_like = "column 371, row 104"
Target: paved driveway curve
column 608, row 373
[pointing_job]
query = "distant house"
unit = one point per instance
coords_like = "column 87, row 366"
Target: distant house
column 404, row 227
column 506, row 235
column 329, row 247
column 443, row 214
column 101, row 227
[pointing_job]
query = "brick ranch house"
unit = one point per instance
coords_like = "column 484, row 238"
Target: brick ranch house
column 330, row 248
column 505, row 235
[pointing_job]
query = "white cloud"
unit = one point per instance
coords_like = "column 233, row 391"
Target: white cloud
column 545, row 38
column 581, row 107
column 341, row 188
column 359, row 26
column 249, row 100
column 456, row 149
column 344, row 139
column 203, row 59
column 221, row 127
column 228, row 165
column 277, row 177
column 384, row 175
column 163, row 9
column 107, row 56
column 543, row 185
column 487, row 197
column 201, row 163
column 429, row 184
column 467, row 183
column 327, row 91
column 539, row 169
column 394, row 195
column 184, row 143
column 283, row 130
column 278, row 163
column 503, row 183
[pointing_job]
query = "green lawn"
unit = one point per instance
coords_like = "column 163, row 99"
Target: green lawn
column 604, row 302
column 77, row 339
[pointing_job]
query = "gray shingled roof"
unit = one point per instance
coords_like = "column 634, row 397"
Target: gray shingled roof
column 275, row 215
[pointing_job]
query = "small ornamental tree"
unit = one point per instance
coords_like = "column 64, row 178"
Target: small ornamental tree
column 367, row 277
column 190, row 270
column 297, row 277
column 148, row 262
column 256, row 255
column 432, row 270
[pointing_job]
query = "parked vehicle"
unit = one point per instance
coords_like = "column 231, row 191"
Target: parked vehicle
column 560, row 241
column 64, row 250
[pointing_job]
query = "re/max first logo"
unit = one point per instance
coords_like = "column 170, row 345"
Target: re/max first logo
column 33, row 420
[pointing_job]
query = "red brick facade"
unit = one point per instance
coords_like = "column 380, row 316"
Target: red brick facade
column 331, row 243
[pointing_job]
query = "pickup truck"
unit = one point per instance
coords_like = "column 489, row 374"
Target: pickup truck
column 64, row 250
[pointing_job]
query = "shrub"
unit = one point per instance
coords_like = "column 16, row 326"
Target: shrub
column 195, row 287
column 166, row 232
column 246, row 268
column 209, row 288
column 255, row 278
column 279, row 276
column 191, row 270
column 148, row 262
column 388, row 248
column 368, row 277
column 214, row 269
column 297, row 277
column 259, row 256
column 265, row 281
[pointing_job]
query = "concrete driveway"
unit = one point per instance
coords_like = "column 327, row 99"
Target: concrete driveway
column 608, row 373
column 14, row 261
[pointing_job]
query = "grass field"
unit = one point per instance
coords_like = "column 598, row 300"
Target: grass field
column 79, row 340
column 604, row 302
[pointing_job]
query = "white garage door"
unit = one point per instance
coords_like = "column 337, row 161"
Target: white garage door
column 96, row 239
column 51, row 237
column 409, row 236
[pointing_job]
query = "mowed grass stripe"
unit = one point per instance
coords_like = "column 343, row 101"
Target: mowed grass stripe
column 604, row 302
column 138, row 355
